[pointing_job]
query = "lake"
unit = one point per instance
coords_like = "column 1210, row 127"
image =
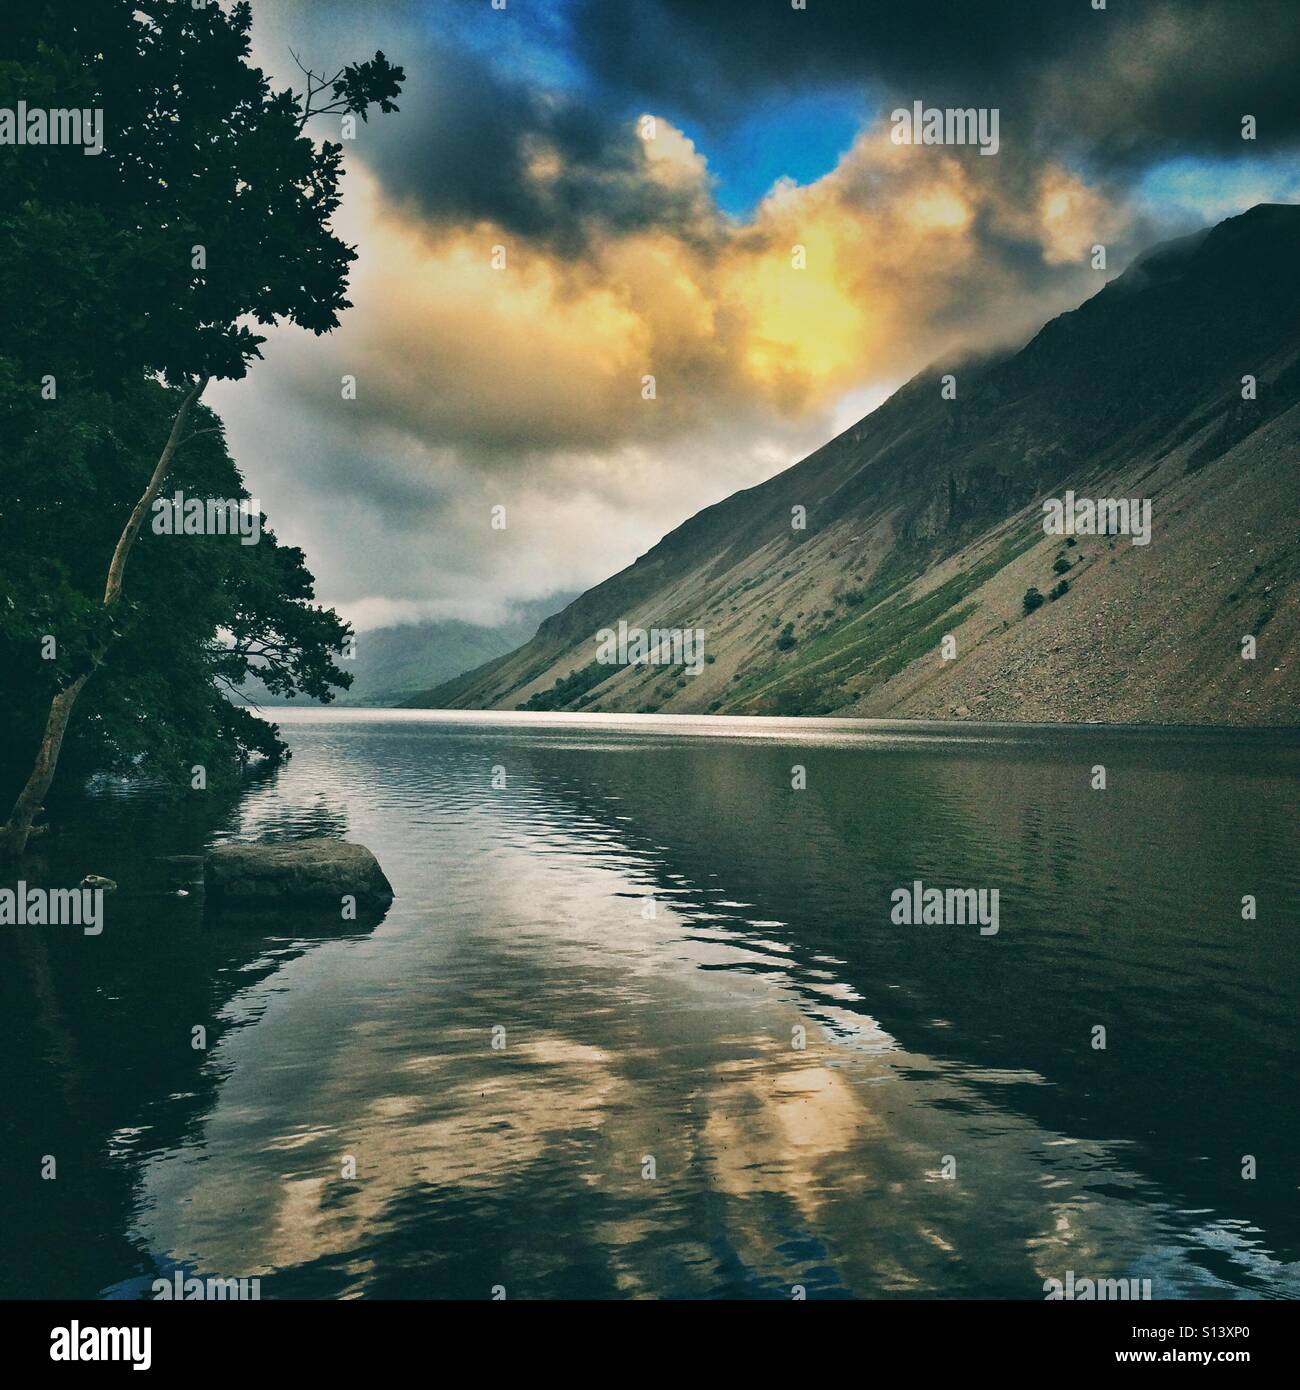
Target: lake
column 639, row 1023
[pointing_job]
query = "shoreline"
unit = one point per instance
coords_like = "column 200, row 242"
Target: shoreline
column 630, row 719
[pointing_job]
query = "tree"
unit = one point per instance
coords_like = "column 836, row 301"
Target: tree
column 130, row 280
column 199, row 611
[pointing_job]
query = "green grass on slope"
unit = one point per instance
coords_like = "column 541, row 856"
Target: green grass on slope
column 883, row 634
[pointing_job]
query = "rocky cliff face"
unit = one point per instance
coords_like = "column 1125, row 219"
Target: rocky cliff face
column 924, row 522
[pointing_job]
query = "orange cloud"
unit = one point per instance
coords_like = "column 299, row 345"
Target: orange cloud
column 468, row 335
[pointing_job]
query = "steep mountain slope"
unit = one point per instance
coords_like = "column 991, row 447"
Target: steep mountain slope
column 925, row 520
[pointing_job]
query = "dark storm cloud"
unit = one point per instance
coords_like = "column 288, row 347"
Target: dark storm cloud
column 1177, row 78
column 1128, row 84
column 475, row 145
column 710, row 58
column 480, row 123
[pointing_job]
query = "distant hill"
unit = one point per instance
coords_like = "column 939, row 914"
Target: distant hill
column 924, row 520
column 393, row 664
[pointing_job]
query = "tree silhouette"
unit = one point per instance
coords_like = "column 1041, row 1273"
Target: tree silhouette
column 145, row 269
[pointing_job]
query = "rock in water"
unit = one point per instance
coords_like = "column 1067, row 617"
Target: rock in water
column 299, row 871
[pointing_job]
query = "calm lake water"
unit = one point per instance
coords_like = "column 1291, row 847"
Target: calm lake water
column 646, row 915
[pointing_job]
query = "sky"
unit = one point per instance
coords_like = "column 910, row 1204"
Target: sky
column 579, row 194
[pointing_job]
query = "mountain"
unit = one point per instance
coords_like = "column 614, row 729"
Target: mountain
column 925, row 520
column 394, row 663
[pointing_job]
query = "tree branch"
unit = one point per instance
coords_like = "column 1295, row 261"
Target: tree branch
column 315, row 86
column 117, row 567
column 211, row 429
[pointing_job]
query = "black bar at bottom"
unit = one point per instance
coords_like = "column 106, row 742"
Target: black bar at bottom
column 214, row 1337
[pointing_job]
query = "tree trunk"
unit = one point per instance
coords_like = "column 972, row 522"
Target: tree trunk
column 17, row 829
column 117, row 566
column 13, row 838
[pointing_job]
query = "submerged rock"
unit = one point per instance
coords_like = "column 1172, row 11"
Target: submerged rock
column 295, row 872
